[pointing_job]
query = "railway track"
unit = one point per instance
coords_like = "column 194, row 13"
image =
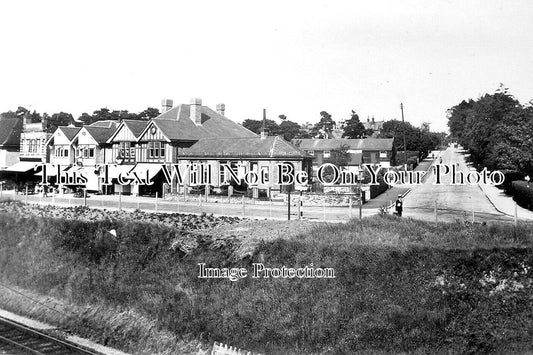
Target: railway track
column 16, row 338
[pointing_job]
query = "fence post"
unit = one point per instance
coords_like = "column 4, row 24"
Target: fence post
column 324, row 207
column 289, row 205
column 300, row 206
column 26, row 197
column 120, row 200
column 435, row 211
column 243, row 204
column 360, row 204
column 515, row 214
column 156, row 198
column 350, row 201
column 200, row 202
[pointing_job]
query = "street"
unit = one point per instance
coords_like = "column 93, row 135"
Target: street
column 454, row 202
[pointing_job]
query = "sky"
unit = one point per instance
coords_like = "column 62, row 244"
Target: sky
column 296, row 58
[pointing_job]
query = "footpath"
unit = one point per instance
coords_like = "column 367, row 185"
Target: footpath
column 505, row 203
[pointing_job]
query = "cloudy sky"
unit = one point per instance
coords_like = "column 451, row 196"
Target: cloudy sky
column 291, row 57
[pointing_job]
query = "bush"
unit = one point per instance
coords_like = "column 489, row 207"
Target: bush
column 522, row 194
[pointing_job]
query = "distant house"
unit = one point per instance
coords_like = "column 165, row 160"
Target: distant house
column 375, row 126
column 368, row 150
column 10, row 131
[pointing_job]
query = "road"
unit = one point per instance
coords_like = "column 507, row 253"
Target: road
column 454, row 202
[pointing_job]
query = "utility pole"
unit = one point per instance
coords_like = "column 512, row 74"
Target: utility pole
column 404, row 145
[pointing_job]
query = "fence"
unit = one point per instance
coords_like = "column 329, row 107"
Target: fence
column 223, row 349
column 308, row 206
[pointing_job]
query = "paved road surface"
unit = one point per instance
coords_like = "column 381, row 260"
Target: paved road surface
column 454, row 202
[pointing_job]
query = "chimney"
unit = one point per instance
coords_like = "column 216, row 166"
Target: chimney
column 367, row 119
column 221, row 109
column 264, row 133
column 196, row 111
column 166, row 105
column 372, row 119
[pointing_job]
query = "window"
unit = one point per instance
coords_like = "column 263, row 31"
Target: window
column 327, row 154
column 124, row 149
column 265, row 174
column 383, row 154
column 311, row 152
column 156, row 150
column 61, row 152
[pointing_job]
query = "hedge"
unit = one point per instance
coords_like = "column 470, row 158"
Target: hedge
column 522, row 194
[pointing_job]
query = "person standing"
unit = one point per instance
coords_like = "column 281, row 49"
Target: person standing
column 399, row 206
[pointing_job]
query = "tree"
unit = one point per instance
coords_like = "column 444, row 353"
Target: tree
column 86, row 119
column 354, row 128
column 256, row 126
column 324, row 127
column 289, row 129
column 339, row 156
column 149, row 113
column 50, row 123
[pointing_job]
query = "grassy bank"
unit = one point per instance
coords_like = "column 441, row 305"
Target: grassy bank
column 400, row 285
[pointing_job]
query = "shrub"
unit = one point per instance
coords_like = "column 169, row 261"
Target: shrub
column 522, row 194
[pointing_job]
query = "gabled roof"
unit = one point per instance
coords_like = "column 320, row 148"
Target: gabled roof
column 213, row 124
column 136, row 127
column 176, row 130
column 100, row 134
column 354, row 144
column 69, row 132
column 104, row 123
column 10, row 130
column 269, row 147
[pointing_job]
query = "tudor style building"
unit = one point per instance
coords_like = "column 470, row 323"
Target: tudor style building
column 194, row 133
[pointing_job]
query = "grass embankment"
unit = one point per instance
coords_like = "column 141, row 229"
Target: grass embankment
column 400, row 286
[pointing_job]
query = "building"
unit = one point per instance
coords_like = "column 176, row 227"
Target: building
column 367, row 150
column 188, row 134
column 10, row 132
column 375, row 126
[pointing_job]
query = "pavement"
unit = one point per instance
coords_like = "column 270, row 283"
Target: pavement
column 503, row 202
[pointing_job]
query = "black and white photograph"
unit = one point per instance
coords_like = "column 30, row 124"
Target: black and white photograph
column 266, row 178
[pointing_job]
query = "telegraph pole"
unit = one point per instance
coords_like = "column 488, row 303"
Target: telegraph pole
column 404, row 145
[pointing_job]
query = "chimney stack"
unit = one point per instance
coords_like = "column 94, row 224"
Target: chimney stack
column 166, row 105
column 196, row 111
column 263, row 128
column 221, row 109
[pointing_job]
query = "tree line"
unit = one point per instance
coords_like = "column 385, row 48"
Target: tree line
column 496, row 130
column 51, row 122
column 417, row 139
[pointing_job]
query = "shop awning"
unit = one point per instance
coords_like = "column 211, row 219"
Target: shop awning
column 142, row 168
column 115, row 170
column 51, row 171
column 22, row 167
